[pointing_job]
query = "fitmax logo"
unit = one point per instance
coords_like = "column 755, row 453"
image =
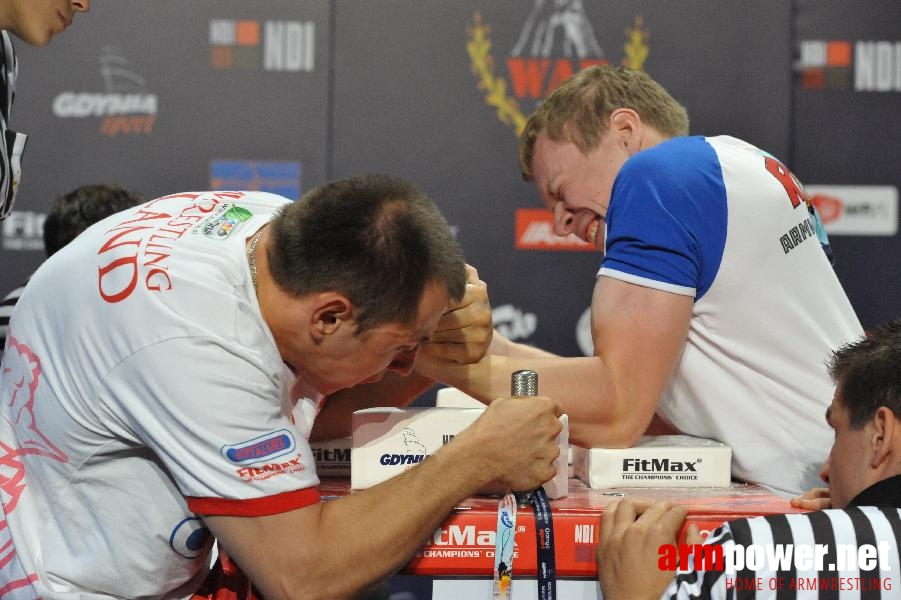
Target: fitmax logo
column 658, row 465
column 338, row 455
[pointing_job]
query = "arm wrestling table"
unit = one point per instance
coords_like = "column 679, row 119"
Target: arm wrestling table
column 460, row 554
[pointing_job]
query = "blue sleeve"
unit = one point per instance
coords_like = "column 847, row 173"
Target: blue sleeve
column 667, row 218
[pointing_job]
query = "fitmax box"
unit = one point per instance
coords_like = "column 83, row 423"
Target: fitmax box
column 332, row 457
column 656, row 461
column 388, row 441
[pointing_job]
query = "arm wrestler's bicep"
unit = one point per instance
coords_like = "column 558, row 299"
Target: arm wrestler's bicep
column 638, row 333
column 271, row 549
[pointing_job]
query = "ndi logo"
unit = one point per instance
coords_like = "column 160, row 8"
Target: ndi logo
column 274, row 45
column 861, row 66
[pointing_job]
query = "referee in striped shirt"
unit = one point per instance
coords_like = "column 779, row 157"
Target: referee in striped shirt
column 34, row 23
column 856, row 534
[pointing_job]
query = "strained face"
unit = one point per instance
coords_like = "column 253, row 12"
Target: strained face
column 576, row 187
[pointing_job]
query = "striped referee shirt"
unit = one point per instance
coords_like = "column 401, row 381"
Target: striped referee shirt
column 873, row 518
column 12, row 144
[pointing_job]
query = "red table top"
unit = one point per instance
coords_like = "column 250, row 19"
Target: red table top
column 464, row 544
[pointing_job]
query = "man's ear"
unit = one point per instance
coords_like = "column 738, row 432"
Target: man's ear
column 332, row 311
column 627, row 124
column 885, row 441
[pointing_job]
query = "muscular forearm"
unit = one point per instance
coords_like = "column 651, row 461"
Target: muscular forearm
column 501, row 346
column 402, row 511
column 334, row 419
column 339, row 547
column 336, row 548
column 584, row 387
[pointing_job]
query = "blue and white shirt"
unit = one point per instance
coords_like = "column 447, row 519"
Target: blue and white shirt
column 726, row 223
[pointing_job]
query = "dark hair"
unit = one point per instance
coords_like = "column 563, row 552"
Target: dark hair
column 373, row 238
column 578, row 110
column 868, row 373
column 82, row 207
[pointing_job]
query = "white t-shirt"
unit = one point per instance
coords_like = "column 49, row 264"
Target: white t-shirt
column 724, row 222
column 140, row 389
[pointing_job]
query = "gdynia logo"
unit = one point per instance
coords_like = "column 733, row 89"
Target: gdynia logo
column 125, row 107
column 414, row 451
column 401, row 459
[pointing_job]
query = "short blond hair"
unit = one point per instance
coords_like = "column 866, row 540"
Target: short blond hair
column 578, row 110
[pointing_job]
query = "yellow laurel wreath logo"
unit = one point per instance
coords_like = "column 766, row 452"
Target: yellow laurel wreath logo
column 495, row 88
column 636, row 49
column 482, row 64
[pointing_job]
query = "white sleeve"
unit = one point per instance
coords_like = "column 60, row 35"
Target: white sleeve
column 220, row 423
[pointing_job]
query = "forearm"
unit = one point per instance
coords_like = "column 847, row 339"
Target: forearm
column 400, row 514
column 334, row 420
column 512, row 443
column 583, row 386
column 501, row 346
column 336, row 548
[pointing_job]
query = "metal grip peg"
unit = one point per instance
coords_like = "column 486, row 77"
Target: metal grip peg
column 524, row 383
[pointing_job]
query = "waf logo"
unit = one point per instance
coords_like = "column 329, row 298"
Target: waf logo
column 21, row 376
column 272, row 45
column 843, row 65
column 124, row 107
column 556, row 40
column 535, row 231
